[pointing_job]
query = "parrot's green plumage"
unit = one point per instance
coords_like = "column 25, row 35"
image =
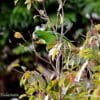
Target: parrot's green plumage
column 51, row 39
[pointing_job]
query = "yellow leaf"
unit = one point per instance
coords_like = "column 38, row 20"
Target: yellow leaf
column 18, row 35
column 96, row 94
column 40, row 0
column 22, row 96
column 15, row 2
column 25, row 78
column 29, row 3
column 55, row 51
column 54, row 82
column 13, row 65
column 87, row 53
column 98, row 28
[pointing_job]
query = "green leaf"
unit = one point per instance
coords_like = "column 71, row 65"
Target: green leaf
column 41, row 82
column 31, row 98
column 20, row 17
column 54, row 95
column 96, row 68
column 97, row 75
column 3, row 38
column 70, row 17
column 19, row 50
column 26, row 76
column 49, row 86
column 96, row 94
column 87, row 53
column 54, row 19
column 83, row 95
column 30, row 91
column 96, row 82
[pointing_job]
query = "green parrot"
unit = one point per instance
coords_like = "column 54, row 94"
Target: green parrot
column 51, row 39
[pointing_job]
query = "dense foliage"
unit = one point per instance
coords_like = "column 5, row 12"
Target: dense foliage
column 46, row 41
